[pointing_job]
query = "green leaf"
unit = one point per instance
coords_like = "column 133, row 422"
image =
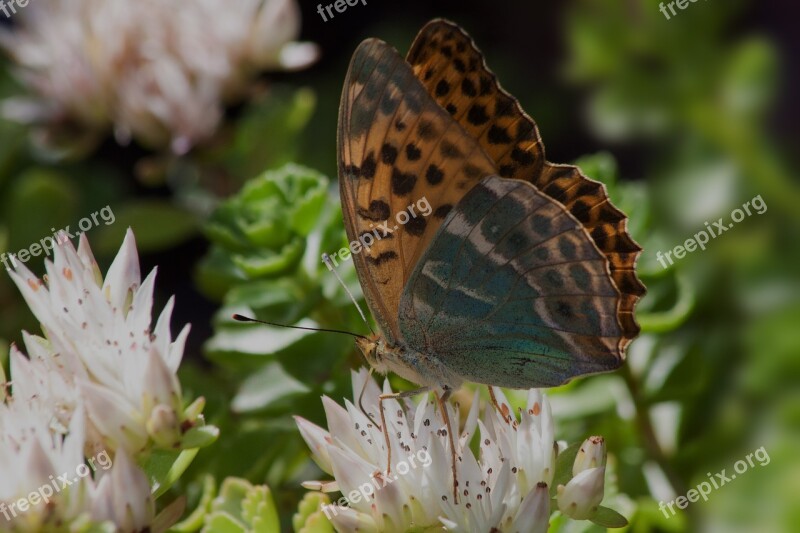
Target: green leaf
column 199, row 437
column 242, row 506
column 194, row 521
column 750, row 78
column 268, row 386
column 262, row 231
column 250, row 339
column 564, row 463
column 221, row 522
column 664, row 321
column 267, row 263
column 609, row 518
column 216, row 274
column 163, row 468
column 309, row 517
column 40, row 199
column 274, row 300
column 600, row 167
column 259, row 510
column 268, row 134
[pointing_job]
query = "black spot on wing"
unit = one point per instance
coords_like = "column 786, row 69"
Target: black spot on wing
column 506, row 171
column 525, row 131
column 378, row 211
column 416, row 226
column 388, row 154
column 468, row 87
column 522, row 157
column 382, row 257
column 434, row 175
column 426, row 130
column 412, row 152
column 486, row 85
column 477, row 115
column 372, row 238
column 472, row 172
column 352, row 171
column 369, row 166
column 450, row 150
column 442, row 210
column 402, row 182
column 498, row 135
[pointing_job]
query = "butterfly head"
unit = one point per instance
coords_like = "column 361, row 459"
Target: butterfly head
column 374, row 349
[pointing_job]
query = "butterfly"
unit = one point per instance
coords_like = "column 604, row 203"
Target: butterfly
column 523, row 273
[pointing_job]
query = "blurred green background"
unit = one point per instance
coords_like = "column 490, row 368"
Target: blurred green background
column 684, row 119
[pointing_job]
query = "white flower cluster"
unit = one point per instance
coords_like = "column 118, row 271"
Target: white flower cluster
column 156, row 71
column 507, row 488
column 99, row 380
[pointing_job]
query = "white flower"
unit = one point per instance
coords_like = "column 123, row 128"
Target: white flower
column 98, row 338
column 46, row 483
column 32, row 457
column 506, row 489
column 156, row 71
column 122, row 496
column 41, row 383
column 581, row 496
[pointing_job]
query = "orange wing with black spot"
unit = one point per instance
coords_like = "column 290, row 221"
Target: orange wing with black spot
column 397, row 148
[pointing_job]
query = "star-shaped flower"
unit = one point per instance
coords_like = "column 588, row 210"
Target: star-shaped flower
column 505, row 488
column 99, row 339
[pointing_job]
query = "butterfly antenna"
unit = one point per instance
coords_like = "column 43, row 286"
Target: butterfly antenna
column 242, row 318
column 326, row 259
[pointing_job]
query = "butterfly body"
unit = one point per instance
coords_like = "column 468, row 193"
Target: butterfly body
column 418, row 367
column 523, row 275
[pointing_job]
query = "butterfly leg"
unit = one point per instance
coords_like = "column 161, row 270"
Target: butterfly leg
column 394, row 396
column 361, row 400
column 503, row 410
column 442, row 400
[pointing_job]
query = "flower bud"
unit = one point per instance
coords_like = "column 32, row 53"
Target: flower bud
column 163, row 426
column 580, row 498
column 591, row 455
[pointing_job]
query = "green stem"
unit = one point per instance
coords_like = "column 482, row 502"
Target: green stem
column 650, row 441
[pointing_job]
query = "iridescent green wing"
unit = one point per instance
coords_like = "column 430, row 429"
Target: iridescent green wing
column 512, row 292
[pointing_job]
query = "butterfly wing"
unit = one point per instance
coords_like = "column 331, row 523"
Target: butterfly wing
column 453, row 70
column 513, row 292
column 396, row 146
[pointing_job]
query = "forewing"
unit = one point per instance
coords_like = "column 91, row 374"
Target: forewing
column 397, row 147
column 513, row 292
